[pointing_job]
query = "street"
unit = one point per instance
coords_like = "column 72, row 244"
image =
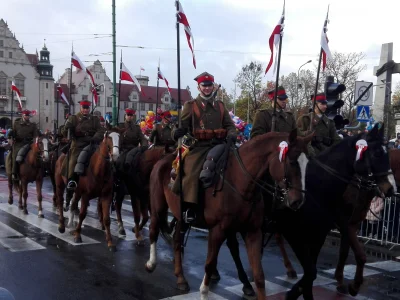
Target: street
column 37, row 262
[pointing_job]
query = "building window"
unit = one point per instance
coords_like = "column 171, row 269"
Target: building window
column 20, row 83
column 166, row 99
column 9, row 54
column 151, row 106
column 126, row 104
column 134, row 97
column 98, row 100
column 1, row 43
column 47, row 119
column 109, row 101
column 1, row 53
column 166, row 106
column 134, row 105
column 142, row 107
column 3, row 86
column 84, row 97
column 47, row 85
column 47, row 102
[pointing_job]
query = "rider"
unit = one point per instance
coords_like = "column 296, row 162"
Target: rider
column 102, row 121
column 84, row 130
column 284, row 121
column 325, row 131
column 23, row 133
column 209, row 121
column 161, row 134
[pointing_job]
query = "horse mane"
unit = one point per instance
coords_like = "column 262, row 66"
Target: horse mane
column 260, row 138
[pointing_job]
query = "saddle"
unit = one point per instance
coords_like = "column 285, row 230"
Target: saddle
column 84, row 159
column 22, row 153
column 214, row 164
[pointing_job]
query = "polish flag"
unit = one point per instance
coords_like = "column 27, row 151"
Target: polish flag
column 126, row 75
column 142, row 69
column 274, row 41
column 18, row 93
column 79, row 65
column 62, row 95
column 161, row 76
column 326, row 53
column 188, row 31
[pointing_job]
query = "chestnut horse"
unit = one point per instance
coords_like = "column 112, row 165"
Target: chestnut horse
column 96, row 182
column 30, row 170
column 235, row 208
column 137, row 185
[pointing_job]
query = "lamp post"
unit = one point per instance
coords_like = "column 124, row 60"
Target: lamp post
column 297, row 81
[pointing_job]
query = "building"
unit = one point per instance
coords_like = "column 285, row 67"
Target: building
column 129, row 95
column 33, row 76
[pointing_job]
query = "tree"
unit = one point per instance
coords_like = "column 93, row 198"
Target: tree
column 395, row 107
column 224, row 97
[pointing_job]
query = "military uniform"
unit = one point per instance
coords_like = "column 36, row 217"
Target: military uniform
column 23, row 133
column 325, row 131
column 162, row 133
column 85, row 129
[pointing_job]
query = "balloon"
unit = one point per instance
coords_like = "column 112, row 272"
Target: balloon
column 150, row 113
column 147, row 118
column 142, row 124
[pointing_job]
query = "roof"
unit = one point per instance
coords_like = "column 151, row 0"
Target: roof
column 65, row 89
column 33, row 59
column 150, row 93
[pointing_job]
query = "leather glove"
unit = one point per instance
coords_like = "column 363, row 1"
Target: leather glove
column 179, row 132
column 232, row 138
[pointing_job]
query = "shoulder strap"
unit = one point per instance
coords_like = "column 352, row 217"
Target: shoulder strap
column 195, row 111
column 221, row 110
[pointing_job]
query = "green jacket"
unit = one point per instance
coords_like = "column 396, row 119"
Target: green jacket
column 132, row 135
column 284, row 122
column 23, row 131
column 161, row 135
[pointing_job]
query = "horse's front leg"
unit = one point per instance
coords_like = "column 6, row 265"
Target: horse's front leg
column 182, row 283
column 118, row 206
column 343, row 254
column 135, row 202
column 60, row 187
column 10, row 190
column 105, row 200
column 82, row 216
column 361, row 259
column 39, row 184
column 144, row 210
column 24, row 189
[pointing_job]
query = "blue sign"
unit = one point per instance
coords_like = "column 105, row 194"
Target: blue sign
column 363, row 113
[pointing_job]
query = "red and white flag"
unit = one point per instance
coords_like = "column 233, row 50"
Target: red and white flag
column 162, row 77
column 18, row 93
column 274, row 40
column 142, row 69
column 79, row 65
column 188, row 31
column 62, row 95
column 126, row 75
column 326, row 53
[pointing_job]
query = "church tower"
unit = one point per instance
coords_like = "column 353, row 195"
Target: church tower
column 47, row 107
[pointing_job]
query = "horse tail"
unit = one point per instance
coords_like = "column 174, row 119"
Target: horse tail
column 17, row 186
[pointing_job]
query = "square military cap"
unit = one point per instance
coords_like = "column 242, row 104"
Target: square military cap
column 205, row 79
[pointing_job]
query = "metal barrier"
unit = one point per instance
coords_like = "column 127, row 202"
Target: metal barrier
column 383, row 225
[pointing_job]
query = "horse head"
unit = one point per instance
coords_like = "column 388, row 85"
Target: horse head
column 113, row 142
column 289, row 168
column 41, row 145
column 372, row 162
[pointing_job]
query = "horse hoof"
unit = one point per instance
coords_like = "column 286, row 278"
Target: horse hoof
column 184, row 287
column 103, row 227
column 122, row 231
column 76, row 212
column 25, row 211
column 353, row 291
column 41, row 216
column 291, row 274
column 215, row 277
column 66, row 208
column 20, row 207
column 140, row 243
column 112, row 248
column 249, row 291
column 149, row 267
column 78, row 239
column 61, row 229
column 10, row 201
column 342, row 289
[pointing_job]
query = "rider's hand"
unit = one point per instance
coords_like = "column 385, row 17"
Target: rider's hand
column 179, row 132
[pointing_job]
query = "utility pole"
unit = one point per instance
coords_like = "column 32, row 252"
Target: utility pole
column 234, row 101
column 115, row 112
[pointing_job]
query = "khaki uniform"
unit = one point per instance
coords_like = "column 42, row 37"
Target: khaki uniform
column 162, row 135
column 131, row 136
column 325, row 133
column 284, row 122
column 24, row 132
column 210, row 118
column 84, row 130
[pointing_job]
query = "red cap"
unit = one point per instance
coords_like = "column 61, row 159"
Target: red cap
column 166, row 114
column 320, row 98
column 102, row 119
column 130, row 111
column 281, row 94
column 204, row 77
column 87, row 103
column 26, row 112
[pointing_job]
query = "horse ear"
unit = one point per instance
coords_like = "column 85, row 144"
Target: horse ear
column 293, row 136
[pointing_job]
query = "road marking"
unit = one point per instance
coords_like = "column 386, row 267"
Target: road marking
column 15, row 241
column 195, row 296
column 45, row 225
column 350, row 270
column 321, row 280
column 388, row 265
column 332, row 288
column 270, row 287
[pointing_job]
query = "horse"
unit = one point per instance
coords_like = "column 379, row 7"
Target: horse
column 233, row 209
column 96, row 182
column 363, row 157
column 29, row 171
column 137, row 186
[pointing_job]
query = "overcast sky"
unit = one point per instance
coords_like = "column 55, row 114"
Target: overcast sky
column 228, row 33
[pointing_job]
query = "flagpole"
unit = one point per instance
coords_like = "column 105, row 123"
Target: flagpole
column 315, row 91
column 70, row 83
column 178, row 57
column 57, row 121
column 119, row 88
column 158, row 82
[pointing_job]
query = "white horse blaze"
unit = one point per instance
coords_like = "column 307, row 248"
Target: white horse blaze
column 115, row 140
column 204, row 290
column 151, row 263
column 303, row 161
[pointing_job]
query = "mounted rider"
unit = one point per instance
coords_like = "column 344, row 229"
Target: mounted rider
column 132, row 136
column 85, row 131
column 325, row 131
column 161, row 136
column 284, row 121
column 23, row 133
column 208, row 121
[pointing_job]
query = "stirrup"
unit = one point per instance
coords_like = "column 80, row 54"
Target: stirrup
column 189, row 216
column 71, row 185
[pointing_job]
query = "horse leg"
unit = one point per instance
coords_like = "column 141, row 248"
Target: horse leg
column 100, row 214
column 216, row 237
column 151, row 264
column 24, row 190
column 343, row 254
column 181, row 282
column 73, row 207
column 53, row 184
column 19, row 184
column 118, row 206
column 60, row 202
column 82, row 216
column 233, row 246
column 144, row 211
column 106, row 205
column 135, row 202
column 39, row 184
column 361, row 259
column 10, row 190
column 290, row 271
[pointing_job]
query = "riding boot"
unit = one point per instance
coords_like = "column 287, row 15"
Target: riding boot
column 73, row 182
column 15, row 169
column 68, row 199
column 189, row 214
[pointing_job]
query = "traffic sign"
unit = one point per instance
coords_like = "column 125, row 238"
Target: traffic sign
column 363, row 113
column 360, row 87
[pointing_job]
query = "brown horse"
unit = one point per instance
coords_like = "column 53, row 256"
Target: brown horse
column 29, row 171
column 137, row 184
column 235, row 208
column 97, row 182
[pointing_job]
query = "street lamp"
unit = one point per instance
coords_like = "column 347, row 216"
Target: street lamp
column 297, row 81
